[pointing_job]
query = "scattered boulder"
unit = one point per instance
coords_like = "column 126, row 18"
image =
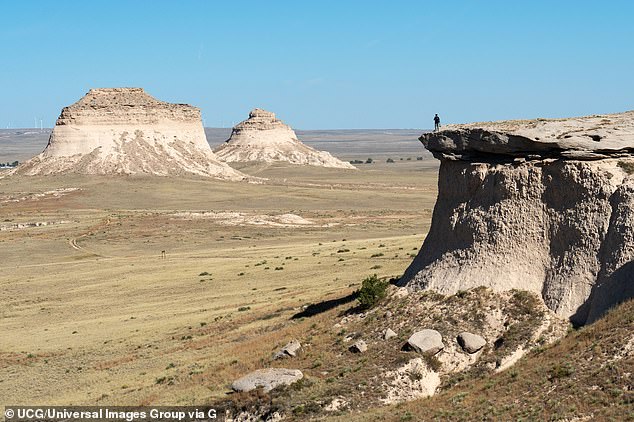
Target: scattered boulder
column 350, row 337
column 388, row 334
column 359, row 346
column 471, row 343
column 426, row 341
column 290, row 350
column 268, row 379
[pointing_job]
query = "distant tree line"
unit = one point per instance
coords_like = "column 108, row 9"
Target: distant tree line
column 368, row 161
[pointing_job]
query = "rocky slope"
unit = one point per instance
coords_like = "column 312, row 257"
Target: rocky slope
column 263, row 138
column 126, row 131
column 539, row 205
column 586, row 376
column 351, row 361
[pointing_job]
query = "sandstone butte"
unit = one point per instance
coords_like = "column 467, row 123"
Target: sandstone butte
column 127, row 131
column 263, row 138
column 540, row 205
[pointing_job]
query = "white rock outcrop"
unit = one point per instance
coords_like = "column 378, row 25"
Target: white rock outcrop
column 263, row 138
column 126, row 131
column 539, row 205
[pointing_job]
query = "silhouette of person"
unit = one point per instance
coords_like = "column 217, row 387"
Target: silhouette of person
column 436, row 122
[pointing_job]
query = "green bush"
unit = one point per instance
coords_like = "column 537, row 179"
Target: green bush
column 372, row 291
column 627, row 166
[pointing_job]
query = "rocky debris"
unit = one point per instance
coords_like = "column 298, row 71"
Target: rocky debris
column 426, row 341
column 540, row 205
column 290, row 350
column 255, row 415
column 411, row 381
column 126, row 131
column 401, row 292
column 518, row 320
column 349, row 337
column 268, row 379
column 233, row 218
column 388, row 334
column 359, row 346
column 471, row 343
column 336, row 405
column 20, row 226
column 263, row 138
column 55, row 193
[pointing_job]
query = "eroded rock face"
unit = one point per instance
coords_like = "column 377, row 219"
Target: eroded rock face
column 544, row 205
column 126, row 131
column 263, row 138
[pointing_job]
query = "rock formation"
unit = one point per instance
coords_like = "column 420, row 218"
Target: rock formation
column 263, row 138
column 268, row 379
column 126, row 131
column 539, row 205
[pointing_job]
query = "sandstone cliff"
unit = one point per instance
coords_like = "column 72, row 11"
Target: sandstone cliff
column 539, row 205
column 126, row 131
column 263, row 138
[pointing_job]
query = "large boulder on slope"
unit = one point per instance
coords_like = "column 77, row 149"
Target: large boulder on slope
column 268, row 379
column 426, row 342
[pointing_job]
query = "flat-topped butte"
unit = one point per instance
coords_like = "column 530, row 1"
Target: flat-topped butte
column 122, row 106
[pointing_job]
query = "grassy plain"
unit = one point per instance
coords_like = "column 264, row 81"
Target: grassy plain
column 90, row 311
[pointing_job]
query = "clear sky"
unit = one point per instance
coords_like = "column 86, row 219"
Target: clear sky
column 323, row 64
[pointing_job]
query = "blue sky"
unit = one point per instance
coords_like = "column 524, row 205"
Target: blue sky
column 323, row 64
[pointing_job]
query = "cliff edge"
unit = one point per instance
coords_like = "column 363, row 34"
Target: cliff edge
column 542, row 205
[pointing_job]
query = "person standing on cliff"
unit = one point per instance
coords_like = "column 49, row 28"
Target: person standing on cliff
column 436, row 122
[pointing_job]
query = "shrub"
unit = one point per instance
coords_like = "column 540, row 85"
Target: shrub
column 389, row 160
column 372, row 291
column 369, row 161
column 627, row 166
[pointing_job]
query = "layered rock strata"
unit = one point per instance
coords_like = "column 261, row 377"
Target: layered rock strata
column 263, row 138
column 539, row 205
column 126, row 131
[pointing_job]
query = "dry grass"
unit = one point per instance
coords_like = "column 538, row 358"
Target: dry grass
column 585, row 376
column 110, row 322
